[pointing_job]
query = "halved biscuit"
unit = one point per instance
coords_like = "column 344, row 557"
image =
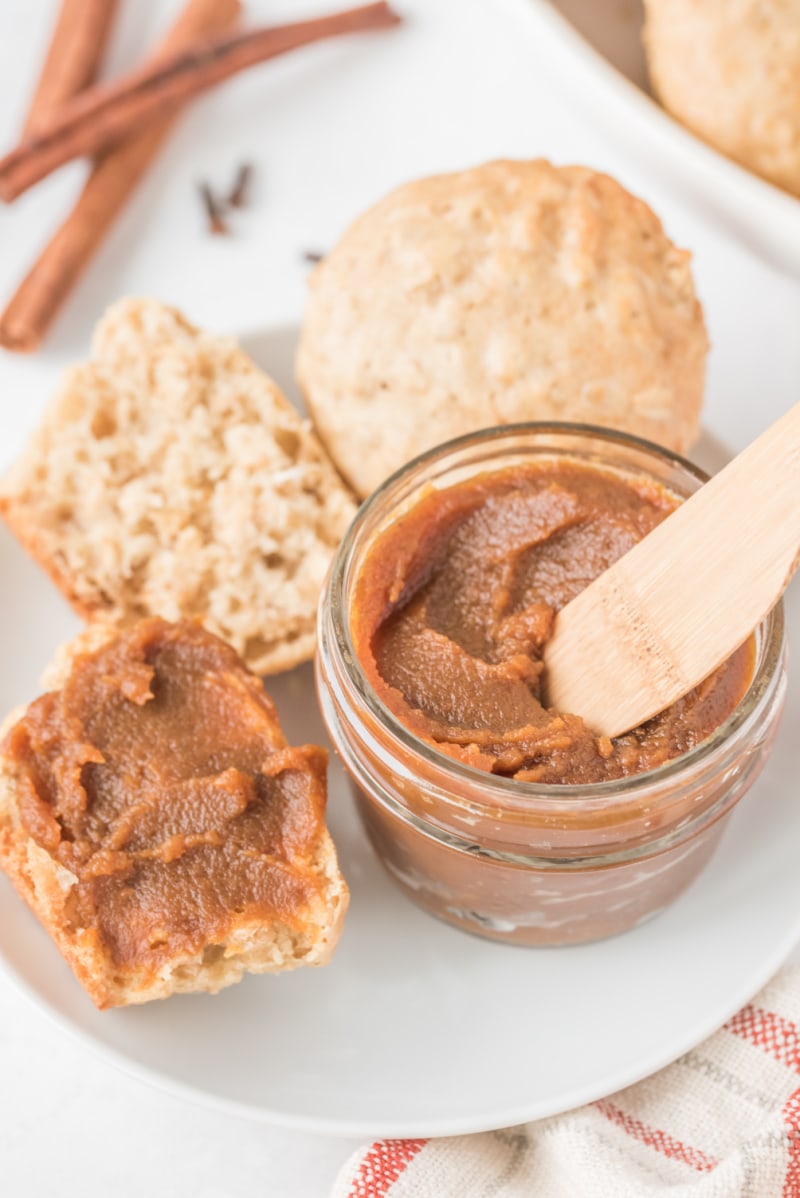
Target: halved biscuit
column 155, row 820
column 171, row 477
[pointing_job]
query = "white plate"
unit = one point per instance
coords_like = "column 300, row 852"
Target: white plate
column 417, row 1028
column 592, row 52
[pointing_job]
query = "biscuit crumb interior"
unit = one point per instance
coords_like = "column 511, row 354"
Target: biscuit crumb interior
column 171, row 477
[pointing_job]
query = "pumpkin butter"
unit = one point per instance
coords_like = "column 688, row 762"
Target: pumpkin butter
column 439, row 604
column 159, row 777
column 455, row 602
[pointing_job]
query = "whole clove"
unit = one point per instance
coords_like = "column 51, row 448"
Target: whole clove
column 239, row 194
column 213, row 209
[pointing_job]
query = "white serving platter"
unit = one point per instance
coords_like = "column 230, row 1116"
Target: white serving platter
column 416, row 1028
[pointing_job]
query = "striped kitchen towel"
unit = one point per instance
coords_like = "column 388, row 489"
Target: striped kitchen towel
column 721, row 1122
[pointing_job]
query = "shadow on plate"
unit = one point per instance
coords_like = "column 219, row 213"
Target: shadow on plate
column 274, row 350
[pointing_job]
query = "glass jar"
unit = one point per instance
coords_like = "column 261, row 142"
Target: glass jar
column 516, row 861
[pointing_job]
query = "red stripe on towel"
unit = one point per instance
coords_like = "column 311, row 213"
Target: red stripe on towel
column 778, row 1037
column 382, row 1165
column 654, row 1138
column 791, row 1117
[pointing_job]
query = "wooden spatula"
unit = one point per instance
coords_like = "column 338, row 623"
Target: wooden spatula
column 675, row 606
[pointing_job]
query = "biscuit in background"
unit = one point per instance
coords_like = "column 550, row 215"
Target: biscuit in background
column 170, row 477
column 512, row 291
column 157, row 823
column 730, row 71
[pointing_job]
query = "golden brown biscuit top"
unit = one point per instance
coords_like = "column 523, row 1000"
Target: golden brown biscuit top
column 160, row 778
column 507, row 292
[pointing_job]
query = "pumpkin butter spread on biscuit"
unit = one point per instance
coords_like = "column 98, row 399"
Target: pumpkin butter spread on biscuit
column 155, row 819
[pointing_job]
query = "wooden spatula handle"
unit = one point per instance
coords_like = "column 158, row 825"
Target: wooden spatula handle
column 681, row 601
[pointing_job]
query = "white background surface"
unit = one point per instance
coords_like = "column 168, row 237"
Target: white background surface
column 330, row 130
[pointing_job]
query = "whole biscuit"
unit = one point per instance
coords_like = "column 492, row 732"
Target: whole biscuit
column 730, row 71
column 512, row 291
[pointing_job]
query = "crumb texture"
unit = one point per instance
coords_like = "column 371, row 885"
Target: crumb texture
column 171, row 477
column 512, row 291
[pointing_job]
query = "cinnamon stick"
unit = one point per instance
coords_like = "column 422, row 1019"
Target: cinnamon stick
column 103, row 114
column 113, row 178
column 73, row 57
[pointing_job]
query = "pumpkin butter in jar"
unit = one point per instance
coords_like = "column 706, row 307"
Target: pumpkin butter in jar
column 489, row 808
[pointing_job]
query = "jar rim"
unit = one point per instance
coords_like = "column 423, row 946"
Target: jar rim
column 770, row 634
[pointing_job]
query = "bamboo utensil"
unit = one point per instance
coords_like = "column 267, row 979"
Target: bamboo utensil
column 670, row 611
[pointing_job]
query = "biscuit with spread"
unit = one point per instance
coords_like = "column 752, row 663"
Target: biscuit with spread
column 513, row 291
column 154, row 818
